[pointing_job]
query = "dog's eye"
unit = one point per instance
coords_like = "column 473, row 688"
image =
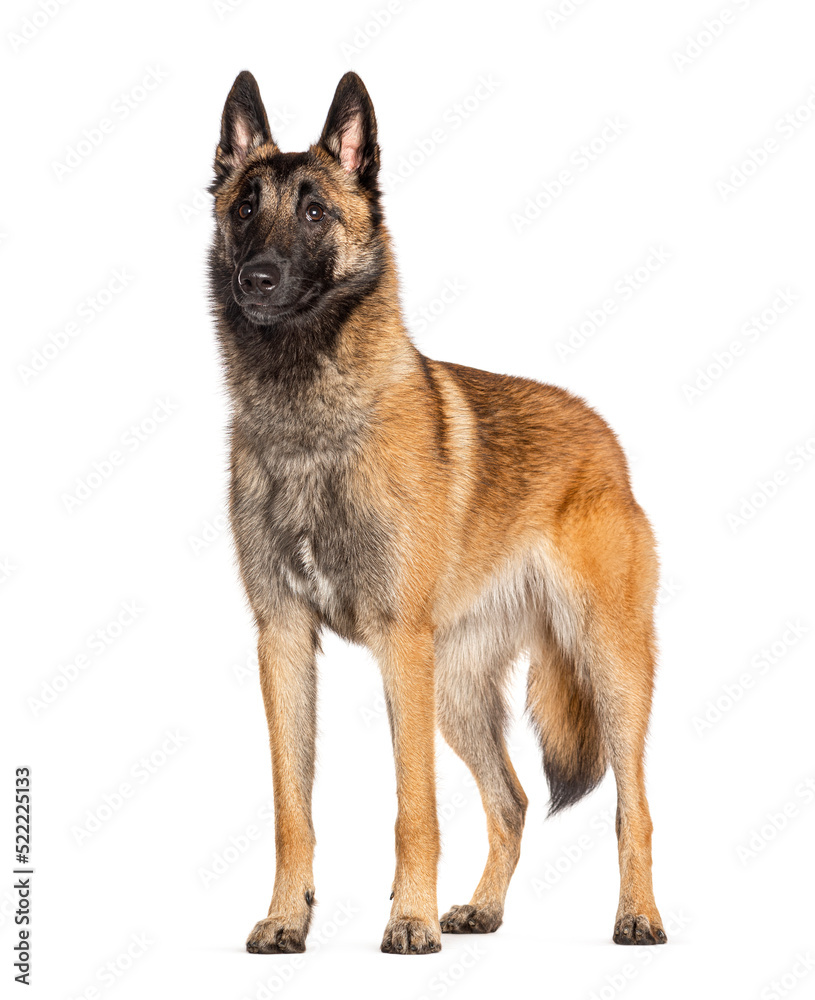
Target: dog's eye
column 244, row 210
column 314, row 212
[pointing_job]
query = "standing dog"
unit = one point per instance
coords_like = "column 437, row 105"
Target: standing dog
column 448, row 519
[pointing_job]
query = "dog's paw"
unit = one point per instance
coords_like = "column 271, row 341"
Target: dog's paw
column 472, row 919
column 410, row 937
column 275, row 936
column 638, row 929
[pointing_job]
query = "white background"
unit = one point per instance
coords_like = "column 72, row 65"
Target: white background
column 152, row 533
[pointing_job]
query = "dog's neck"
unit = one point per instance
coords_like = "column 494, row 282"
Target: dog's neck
column 315, row 385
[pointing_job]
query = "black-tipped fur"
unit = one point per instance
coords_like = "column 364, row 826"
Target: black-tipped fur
column 574, row 758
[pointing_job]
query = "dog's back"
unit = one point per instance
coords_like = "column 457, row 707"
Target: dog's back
column 449, row 519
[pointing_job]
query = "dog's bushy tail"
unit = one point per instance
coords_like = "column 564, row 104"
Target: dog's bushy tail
column 563, row 714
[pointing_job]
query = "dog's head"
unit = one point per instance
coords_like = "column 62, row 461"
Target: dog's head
column 298, row 235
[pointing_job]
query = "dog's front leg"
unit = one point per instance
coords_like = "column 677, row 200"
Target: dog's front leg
column 407, row 663
column 288, row 679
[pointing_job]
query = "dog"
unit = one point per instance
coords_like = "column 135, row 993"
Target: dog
column 450, row 520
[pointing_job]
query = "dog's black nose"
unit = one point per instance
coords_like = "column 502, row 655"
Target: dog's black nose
column 259, row 279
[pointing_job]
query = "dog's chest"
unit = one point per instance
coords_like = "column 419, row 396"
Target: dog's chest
column 307, row 529
column 312, row 524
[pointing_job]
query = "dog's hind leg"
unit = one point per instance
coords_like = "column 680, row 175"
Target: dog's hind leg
column 471, row 715
column 623, row 686
column 590, row 687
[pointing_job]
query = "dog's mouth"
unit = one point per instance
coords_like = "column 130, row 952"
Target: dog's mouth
column 262, row 313
column 263, row 310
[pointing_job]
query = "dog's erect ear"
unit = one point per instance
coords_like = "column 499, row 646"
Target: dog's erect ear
column 244, row 126
column 349, row 133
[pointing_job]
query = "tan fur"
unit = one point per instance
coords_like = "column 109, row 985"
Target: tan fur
column 508, row 528
column 592, row 550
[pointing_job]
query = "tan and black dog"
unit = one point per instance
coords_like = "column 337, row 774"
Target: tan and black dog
column 449, row 519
